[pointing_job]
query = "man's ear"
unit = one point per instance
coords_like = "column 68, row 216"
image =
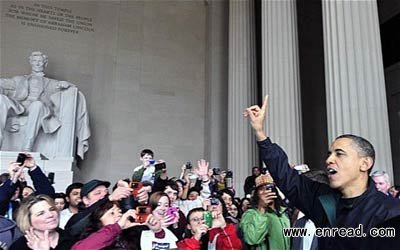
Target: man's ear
column 85, row 200
column 67, row 198
column 189, row 227
column 366, row 164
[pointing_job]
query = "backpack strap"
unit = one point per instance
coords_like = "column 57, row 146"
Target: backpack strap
column 329, row 203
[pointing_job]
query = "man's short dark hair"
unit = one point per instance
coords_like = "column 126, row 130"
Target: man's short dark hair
column 363, row 147
column 75, row 185
column 197, row 209
column 146, row 152
column 59, row 195
column 172, row 185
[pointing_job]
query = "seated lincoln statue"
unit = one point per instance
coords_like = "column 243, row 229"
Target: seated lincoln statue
column 35, row 104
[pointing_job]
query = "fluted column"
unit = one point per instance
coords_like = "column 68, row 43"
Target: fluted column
column 217, row 83
column 242, row 90
column 355, row 85
column 280, row 76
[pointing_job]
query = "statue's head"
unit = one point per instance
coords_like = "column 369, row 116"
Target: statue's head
column 38, row 61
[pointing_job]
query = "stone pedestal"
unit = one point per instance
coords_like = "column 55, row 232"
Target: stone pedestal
column 60, row 166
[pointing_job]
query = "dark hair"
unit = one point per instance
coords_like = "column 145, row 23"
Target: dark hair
column 242, row 200
column 94, row 223
column 226, row 191
column 146, row 152
column 75, row 185
column 59, row 195
column 196, row 209
column 22, row 190
column 193, row 189
column 255, row 199
column 363, row 147
column 239, row 210
column 172, row 185
column 181, row 181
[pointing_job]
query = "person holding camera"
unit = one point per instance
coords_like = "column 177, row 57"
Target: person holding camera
column 105, row 226
column 145, row 172
column 39, row 180
column 159, row 236
column 263, row 225
column 95, row 193
column 217, row 235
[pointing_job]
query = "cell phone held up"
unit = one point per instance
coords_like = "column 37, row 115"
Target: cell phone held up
column 142, row 212
column 271, row 187
column 160, row 167
column 136, row 186
column 171, row 213
column 21, row 158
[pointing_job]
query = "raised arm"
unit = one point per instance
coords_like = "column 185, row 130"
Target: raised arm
column 256, row 117
column 301, row 191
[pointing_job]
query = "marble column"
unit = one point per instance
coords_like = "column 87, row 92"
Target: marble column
column 242, row 90
column 280, row 76
column 355, row 85
column 216, row 120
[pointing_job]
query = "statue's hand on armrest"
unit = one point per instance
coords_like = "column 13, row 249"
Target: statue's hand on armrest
column 6, row 85
column 62, row 85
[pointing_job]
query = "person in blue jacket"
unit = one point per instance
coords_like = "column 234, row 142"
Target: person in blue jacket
column 39, row 179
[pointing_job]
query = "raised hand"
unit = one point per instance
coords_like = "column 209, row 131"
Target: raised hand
column 257, row 117
column 122, row 191
column 29, row 162
column 36, row 243
column 15, row 171
column 200, row 231
column 170, row 219
column 127, row 219
column 202, row 169
column 153, row 224
column 143, row 195
column 218, row 220
column 269, row 197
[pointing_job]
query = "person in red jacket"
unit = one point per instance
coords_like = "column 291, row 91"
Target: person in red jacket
column 221, row 235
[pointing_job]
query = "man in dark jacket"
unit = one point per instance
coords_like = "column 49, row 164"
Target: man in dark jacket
column 250, row 182
column 350, row 200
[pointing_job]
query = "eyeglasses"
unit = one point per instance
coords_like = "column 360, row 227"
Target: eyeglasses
column 196, row 219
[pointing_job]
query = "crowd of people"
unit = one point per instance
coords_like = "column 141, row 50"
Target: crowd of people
column 200, row 209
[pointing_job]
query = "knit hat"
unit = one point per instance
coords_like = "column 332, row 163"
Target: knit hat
column 264, row 179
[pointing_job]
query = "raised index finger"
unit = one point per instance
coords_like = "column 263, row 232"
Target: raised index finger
column 264, row 106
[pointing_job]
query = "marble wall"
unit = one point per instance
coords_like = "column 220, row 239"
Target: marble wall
column 140, row 64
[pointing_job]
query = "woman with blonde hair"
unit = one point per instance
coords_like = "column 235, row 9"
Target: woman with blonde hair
column 38, row 219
